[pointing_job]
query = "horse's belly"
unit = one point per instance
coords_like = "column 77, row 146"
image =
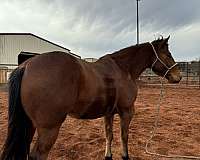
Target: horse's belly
column 86, row 115
column 94, row 110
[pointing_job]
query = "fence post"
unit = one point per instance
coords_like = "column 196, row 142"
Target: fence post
column 187, row 73
column 199, row 72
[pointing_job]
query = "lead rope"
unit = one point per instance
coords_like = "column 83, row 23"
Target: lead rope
column 153, row 132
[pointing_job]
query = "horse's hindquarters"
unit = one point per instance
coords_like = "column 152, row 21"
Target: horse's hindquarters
column 49, row 88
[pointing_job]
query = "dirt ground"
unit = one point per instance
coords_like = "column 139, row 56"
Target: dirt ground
column 178, row 131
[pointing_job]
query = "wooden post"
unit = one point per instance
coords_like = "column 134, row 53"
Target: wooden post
column 199, row 72
column 187, row 73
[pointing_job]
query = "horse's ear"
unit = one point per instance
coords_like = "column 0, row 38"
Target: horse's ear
column 167, row 39
column 164, row 42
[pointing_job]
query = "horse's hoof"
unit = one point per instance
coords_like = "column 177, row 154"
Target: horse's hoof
column 125, row 158
column 108, row 158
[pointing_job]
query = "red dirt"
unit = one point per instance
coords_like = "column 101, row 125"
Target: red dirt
column 178, row 131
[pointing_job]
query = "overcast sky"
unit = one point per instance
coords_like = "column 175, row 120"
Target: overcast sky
column 92, row 28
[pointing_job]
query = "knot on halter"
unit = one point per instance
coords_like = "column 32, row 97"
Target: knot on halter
column 160, row 60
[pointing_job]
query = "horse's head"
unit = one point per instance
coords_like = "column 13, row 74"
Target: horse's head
column 163, row 63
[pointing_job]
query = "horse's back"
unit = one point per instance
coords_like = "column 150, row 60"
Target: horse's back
column 50, row 84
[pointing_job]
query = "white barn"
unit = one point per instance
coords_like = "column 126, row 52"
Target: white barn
column 11, row 44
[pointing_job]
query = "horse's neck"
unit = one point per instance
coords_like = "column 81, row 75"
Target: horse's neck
column 133, row 60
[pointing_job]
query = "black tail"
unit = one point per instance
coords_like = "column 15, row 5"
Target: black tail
column 18, row 141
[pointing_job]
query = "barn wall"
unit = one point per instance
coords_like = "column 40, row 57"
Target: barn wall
column 12, row 45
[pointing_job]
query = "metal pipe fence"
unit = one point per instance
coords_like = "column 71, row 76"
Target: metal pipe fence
column 190, row 75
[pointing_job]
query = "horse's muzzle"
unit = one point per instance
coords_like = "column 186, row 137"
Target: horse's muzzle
column 174, row 78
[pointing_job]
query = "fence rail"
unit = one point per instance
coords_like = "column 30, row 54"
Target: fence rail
column 191, row 81
column 190, row 75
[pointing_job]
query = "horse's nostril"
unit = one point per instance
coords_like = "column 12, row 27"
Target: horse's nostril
column 178, row 79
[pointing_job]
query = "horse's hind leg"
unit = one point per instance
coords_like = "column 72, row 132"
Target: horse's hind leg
column 33, row 153
column 108, row 120
column 32, row 132
column 125, row 119
column 46, row 139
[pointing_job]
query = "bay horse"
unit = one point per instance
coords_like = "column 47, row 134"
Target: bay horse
column 46, row 88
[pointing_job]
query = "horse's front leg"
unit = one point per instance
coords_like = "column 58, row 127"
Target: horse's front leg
column 108, row 121
column 125, row 119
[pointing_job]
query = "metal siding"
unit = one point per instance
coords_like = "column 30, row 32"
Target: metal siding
column 12, row 45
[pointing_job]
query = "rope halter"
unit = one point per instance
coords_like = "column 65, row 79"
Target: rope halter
column 160, row 60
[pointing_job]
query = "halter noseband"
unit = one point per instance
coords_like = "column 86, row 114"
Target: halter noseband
column 158, row 59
